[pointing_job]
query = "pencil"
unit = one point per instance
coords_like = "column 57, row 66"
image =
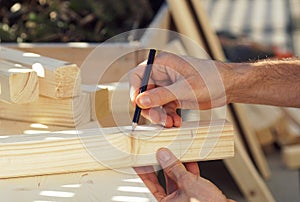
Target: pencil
column 143, row 87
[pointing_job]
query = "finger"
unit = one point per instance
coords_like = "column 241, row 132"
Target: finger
column 193, row 168
column 147, row 174
column 171, row 108
column 171, row 165
column 155, row 97
column 157, row 115
column 171, row 186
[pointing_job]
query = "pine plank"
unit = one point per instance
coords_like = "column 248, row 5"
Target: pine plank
column 291, row 156
column 17, row 84
column 101, row 186
column 68, row 112
column 57, row 79
column 8, row 127
column 107, row 148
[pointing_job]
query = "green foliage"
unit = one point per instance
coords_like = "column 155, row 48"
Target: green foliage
column 73, row 20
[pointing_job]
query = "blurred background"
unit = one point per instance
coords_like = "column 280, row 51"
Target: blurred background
column 73, row 20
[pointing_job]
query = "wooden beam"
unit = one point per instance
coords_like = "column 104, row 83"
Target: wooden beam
column 105, row 185
column 57, row 79
column 68, row 112
column 186, row 24
column 17, row 84
column 291, row 156
column 107, row 148
column 246, row 176
column 8, row 127
column 252, row 141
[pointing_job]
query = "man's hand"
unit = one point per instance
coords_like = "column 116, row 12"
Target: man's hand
column 178, row 82
column 183, row 183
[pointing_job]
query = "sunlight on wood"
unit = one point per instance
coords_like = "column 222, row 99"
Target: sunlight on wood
column 68, row 132
column 71, row 185
column 137, row 180
column 31, row 132
column 38, row 125
column 133, row 189
column 33, row 55
column 129, row 199
column 17, row 70
column 39, row 69
column 61, row 194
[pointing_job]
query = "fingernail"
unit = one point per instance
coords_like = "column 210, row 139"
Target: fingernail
column 145, row 101
column 163, row 155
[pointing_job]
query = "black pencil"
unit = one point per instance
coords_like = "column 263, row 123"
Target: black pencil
column 143, row 87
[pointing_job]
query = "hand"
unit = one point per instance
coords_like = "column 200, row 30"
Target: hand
column 178, row 82
column 182, row 183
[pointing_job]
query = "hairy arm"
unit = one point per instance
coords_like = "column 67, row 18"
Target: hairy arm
column 271, row 82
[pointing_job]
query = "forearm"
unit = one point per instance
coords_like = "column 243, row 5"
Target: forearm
column 272, row 82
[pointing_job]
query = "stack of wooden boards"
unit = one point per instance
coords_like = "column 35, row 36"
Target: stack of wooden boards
column 39, row 89
column 43, row 90
column 277, row 125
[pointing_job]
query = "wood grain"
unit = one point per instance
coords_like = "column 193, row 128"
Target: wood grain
column 107, row 148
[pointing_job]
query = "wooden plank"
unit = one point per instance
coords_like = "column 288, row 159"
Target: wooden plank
column 185, row 23
column 291, row 156
column 121, row 185
column 157, row 34
column 57, row 79
column 103, row 148
column 74, row 53
column 252, row 142
column 293, row 114
column 246, row 176
column 208, row 32
column 67, row 112
column 109, row 62
column 17, row 84
column 8, row 127
column 287, row 132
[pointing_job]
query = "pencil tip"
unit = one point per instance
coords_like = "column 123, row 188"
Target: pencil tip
column 133, row 126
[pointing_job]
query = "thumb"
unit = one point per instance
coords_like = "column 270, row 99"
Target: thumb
column 155, row 97
column 171, row 165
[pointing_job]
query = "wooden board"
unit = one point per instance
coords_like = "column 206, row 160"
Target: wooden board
column 57, row 79
column 246, row 176
column 69, row 112
column 101, row 186
column 291, row 156
column 107, row 148
column 8, row 127
column 17, row 84
column 252, row 141
column 185, row 23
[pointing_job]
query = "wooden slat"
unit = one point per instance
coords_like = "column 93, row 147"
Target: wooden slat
column 8, row 127
column 246, row 176
column 105, row 185
column 252, row 142
column 17, row 84
column 184, row 22
column 291, row 156
column 103, row 148
column 57, row 79
column 67, row 112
